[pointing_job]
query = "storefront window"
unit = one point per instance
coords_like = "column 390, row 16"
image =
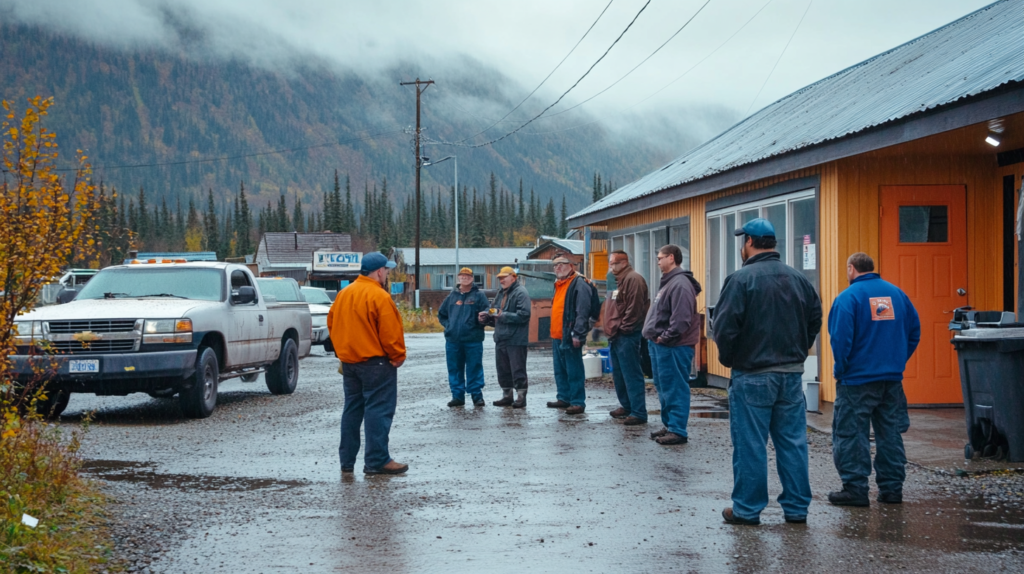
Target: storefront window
column 680, row 235
column 715, row 277
column 643, row 255
column 804, row 238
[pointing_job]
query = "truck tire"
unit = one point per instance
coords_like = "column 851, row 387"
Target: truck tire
column 329, row 346
column 55, row 403
column 251, row 378
column 162, row 393
column 283, row 374
column 199, row 401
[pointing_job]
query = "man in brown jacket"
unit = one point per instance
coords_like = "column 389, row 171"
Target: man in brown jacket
column 624, row 311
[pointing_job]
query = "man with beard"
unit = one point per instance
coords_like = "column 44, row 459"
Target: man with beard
column 570, row 324
column 510, row 316
column 624, row 313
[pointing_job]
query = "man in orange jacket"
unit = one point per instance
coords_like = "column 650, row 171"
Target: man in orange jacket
column 367, row 334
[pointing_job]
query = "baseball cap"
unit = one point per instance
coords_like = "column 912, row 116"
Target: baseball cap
column 560, row 259
column 757, row 228
column 505, row 271
column 373, row 261
column 465, row 271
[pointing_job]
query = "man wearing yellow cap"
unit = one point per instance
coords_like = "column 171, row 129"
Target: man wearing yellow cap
column 510, row 316
column 464, row 339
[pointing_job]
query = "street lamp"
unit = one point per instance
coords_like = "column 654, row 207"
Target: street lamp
column 426, row 162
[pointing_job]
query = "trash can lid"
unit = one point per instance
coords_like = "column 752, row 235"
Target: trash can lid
column 975, row 334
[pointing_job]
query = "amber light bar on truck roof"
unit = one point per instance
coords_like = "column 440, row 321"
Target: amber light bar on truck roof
column 145, row 261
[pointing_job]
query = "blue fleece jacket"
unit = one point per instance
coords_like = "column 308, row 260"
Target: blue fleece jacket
column 874, row 330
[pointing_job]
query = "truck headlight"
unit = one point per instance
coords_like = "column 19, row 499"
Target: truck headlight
column 26, row 332
column 157, row 331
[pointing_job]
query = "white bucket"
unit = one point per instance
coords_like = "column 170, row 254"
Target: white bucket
column 592, row 366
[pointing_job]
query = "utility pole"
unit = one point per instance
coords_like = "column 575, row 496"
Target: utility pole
column 419, row 163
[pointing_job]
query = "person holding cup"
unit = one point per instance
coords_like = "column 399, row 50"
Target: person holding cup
column 509, row 314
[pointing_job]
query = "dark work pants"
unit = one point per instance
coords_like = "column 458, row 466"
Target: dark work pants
column 857, row 409
column 627, row 374
column 371, row 395
column 511, row 360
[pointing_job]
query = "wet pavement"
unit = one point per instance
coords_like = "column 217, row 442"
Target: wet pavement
column 257, row 488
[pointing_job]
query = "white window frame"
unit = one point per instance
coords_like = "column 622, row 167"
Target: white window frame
column 628, row 242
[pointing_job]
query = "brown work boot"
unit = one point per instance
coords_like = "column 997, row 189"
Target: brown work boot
column 575, row 410
column 558, row 404
column 634, row 421
column 505, row 400
column 520, row 400
column 619, row 413
column 393, row 467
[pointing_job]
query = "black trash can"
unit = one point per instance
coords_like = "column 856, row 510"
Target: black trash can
column 992, row 378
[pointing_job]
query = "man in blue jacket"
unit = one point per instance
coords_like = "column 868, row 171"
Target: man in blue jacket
column 874, row 330
column 464, row 339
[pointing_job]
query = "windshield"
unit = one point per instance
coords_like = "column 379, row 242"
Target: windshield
column 316, row 296
column 281, row 289
column 175, row 283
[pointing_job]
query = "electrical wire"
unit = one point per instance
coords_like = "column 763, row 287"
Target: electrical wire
column 612, row 85
column 546, row 77
column 793, row 35
column 666, row 86
column 531, row 120
column 232, row 157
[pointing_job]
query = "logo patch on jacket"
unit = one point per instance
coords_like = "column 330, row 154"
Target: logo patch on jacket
column 458, row 302
column 881, row 309
column 615, row 294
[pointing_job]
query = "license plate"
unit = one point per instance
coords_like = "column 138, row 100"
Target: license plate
column 84, row 366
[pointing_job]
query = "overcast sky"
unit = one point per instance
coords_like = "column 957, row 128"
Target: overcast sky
column 525, row 40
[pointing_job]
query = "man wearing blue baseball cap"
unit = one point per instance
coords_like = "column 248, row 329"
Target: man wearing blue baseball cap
column 366, row 330
column 766, row 320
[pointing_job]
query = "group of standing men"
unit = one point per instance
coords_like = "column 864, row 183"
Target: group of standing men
column 766, row 320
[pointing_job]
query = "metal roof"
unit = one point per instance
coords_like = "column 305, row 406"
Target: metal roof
column 296, row 249
column 573, row 246
column 973, row 55
column 467, row 255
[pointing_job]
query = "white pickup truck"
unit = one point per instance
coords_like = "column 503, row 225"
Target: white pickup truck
column 163, row 328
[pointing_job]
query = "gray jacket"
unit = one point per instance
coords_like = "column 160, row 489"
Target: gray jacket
column 673, row 314
column 512, row 328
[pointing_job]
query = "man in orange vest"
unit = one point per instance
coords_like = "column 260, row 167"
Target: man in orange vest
column 570, row 324
column 366, row 330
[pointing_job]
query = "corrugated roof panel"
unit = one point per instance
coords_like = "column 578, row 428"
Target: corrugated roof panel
column 467, row 255
column 973, row 55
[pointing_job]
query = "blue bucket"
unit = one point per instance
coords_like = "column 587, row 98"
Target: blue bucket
column 606, row 360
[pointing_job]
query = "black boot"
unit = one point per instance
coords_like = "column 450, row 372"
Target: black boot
column 520, row 400
column 505, row 400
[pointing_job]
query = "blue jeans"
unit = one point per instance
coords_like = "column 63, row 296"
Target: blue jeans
column 569, row 375
column 881, row 405
column 763, row 405
column 628, row 377
column 465, row 368
column 671, row 366
column 371, row 395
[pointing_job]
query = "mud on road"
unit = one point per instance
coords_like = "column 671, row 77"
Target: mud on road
column 257, row 488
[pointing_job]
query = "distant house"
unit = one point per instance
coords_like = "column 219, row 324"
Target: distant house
column 550, row 247
column 291, row 255
column 438, row 271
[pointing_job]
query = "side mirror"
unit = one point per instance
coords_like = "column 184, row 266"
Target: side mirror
column 243, row 296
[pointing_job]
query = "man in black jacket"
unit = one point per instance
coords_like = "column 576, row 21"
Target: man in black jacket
column 570, row 324
column 767, row 318
column 464, row 339
column 511, row 321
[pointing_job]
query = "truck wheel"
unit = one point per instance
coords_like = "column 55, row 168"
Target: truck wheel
column 250, row 378
column 198, row 402
column 162, row 393
column 55, row 403
column 329, row 346
column 283, row 374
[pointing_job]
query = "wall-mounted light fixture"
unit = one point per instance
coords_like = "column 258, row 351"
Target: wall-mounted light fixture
column 992, row 139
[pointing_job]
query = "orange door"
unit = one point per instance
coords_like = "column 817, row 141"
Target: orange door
column 924, row 252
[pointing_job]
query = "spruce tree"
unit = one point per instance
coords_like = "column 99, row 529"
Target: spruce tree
column 348, row 223
column 563, row 225
column 478, row 236
column 298, row 218
column 244, row 225
column 550, row 225
column 211, row 229
column 143, row 221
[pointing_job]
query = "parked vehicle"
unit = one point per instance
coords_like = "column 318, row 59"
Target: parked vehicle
column 164, row 329
column 319, row 305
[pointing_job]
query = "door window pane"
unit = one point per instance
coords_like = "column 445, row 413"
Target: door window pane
column 660, row 239
column 747, row 215
column 924, row 224
column 777, row 215
column 804, row 239
column 714, row 259
column 731, row 244
column 617, row 243
column 628, row 248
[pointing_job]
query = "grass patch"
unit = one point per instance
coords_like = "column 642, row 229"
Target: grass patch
column 419, row 320
column 39, row 477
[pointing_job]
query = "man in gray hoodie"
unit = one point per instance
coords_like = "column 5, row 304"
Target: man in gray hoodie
column 673, row 329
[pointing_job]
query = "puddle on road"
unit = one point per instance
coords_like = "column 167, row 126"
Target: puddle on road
column 139, row 472
column 710, row 414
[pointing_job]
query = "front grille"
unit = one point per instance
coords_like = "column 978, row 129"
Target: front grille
column 94, row 325
column 75, row 347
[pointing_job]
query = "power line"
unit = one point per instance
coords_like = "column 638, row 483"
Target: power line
column 231, row 157
column 546, row 77
column 531, row 120
column 687, row 23
column 666, row 86
column 793, row 35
